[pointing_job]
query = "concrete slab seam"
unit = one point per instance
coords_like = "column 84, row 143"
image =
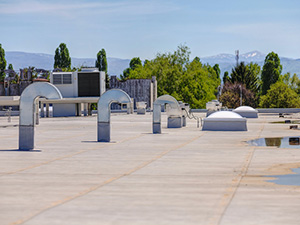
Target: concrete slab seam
column 84, row 192
column 231, row 191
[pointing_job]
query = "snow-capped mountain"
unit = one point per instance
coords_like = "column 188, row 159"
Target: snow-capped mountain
column 228, row 61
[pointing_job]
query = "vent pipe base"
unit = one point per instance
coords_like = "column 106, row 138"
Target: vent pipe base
column 103, row 132
column 156, row 128
column 26, row 137
column 141, row 111
column 183, row 121
column 174, row 122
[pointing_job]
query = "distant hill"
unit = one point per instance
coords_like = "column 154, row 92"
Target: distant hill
column 117, row 65
column 46, row 61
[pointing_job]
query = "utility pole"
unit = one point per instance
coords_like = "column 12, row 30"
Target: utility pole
column 241, row 95
column 237, row 56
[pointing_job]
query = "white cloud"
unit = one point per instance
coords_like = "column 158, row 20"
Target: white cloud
column 129, row 7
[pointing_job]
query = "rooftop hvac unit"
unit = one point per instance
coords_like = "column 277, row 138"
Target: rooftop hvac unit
column 88, row 82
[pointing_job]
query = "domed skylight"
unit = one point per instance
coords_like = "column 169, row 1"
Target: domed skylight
column 224, row 114
column 244, row 108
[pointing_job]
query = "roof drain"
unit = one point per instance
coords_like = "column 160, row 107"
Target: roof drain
column 104, row 103
column 174, row 113
column 28, row 104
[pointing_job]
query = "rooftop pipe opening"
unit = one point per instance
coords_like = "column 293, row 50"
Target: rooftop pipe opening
column 104, row 103
column 28, row 106
column 174, row 113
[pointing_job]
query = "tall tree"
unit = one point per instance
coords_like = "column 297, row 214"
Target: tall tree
column 226, row 77
column 2, row 63
column 62, row 57
column 246, row 75
column 217, row 69
column 10, row 67
column 176, row 75
column 133, row 64
column 292, row 81
column 231, row 95
column 101, row 64
column 270, row 72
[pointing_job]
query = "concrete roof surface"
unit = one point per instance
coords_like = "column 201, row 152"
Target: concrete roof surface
column 180, row 177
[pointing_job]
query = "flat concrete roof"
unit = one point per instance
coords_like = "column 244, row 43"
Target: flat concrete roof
column 182, row 176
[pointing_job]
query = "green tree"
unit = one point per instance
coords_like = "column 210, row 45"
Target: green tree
column 190, row 82
column 146, row 61
column 10, row 67
column 133, row 64
column 226, row 77
column 217, row 69
column 62, row 58
column 231, row 96
column 101, row 64
column 2, row 63
column 292, row 81
column 197, row 59
column 247, row 75
column 280, row 96
column 270, row 72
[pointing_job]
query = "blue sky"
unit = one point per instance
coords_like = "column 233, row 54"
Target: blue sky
column 143, row 28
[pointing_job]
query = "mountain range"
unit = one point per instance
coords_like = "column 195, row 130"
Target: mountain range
column 116, row 65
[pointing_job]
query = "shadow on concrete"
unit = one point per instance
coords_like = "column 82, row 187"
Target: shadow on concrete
column 98, row 142
column 17, row 150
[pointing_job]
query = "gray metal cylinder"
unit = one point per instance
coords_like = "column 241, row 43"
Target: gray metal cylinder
column 156, row 127
column 175, row 110
column 28, row 108
column 26, row 137
column 103, row 132
column 104, row 103
column 184, row 121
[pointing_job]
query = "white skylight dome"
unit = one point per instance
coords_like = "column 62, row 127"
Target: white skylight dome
column 224, row 121
column 247, row 111
column 244, row 108
column 225, row 115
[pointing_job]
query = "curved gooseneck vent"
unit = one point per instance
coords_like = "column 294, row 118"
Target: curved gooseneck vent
column 174, row 113
column 104, row 103
column 28, row 101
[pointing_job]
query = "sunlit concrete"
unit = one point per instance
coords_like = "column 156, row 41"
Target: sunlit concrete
column 182, row 176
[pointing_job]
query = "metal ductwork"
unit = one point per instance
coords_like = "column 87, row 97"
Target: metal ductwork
column 28, row 108
column 174, row 113
column 104, row 104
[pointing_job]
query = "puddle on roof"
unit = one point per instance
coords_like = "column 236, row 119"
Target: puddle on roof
column 280, row 142
column 289, row 179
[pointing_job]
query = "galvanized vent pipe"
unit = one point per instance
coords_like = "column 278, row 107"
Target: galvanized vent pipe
column 28, row 108
column 175, row 113
column 104, row 103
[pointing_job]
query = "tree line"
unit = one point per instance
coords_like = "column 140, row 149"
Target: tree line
column 196, row 83
column 264, row 88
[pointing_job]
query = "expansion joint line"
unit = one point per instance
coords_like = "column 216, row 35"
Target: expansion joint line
column 63, row 157
column 109, row 181
column 231, row 191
